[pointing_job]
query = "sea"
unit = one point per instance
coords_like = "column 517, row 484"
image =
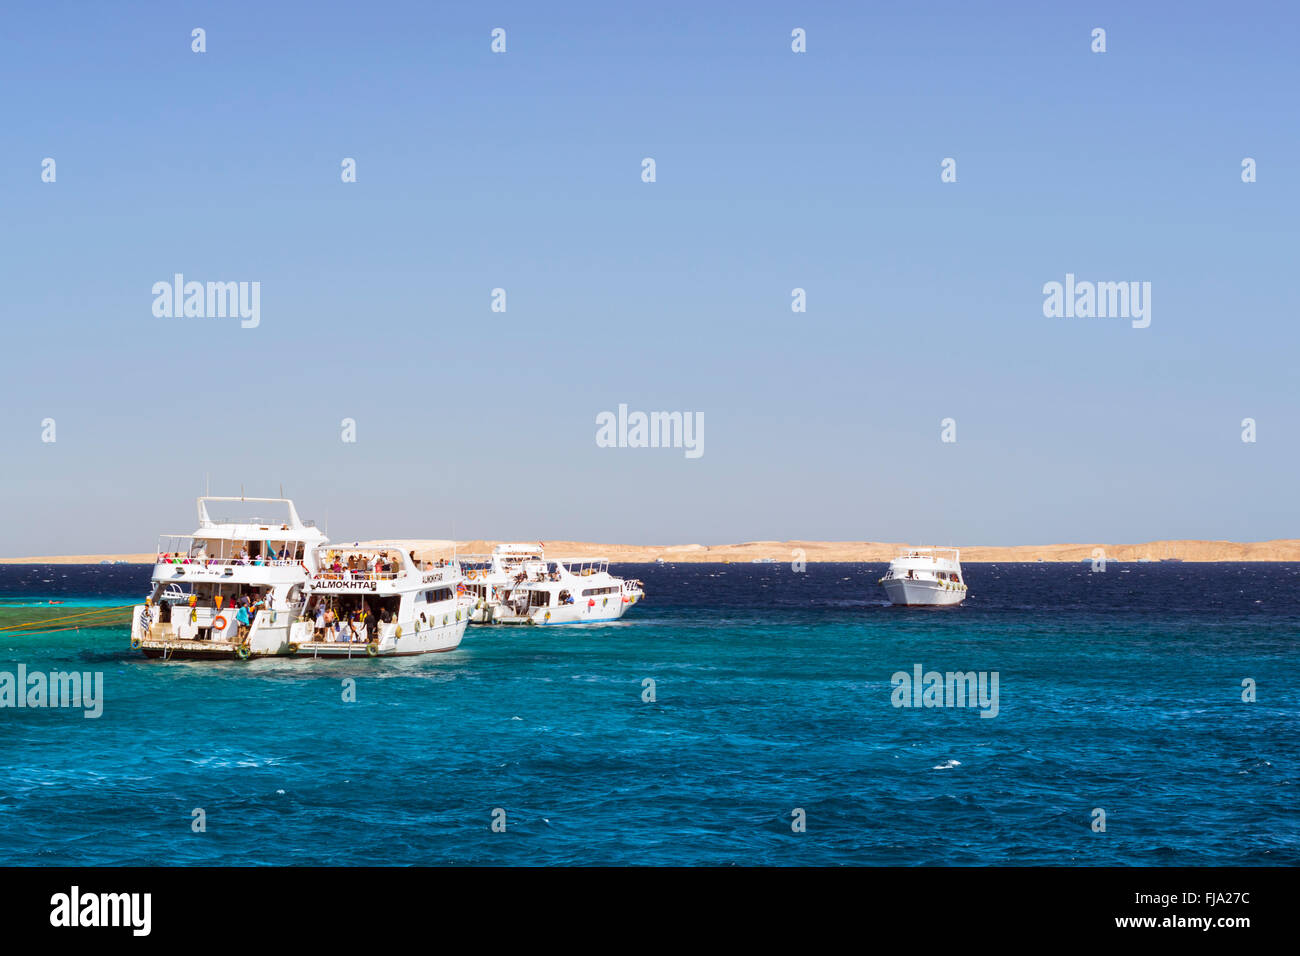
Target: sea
column 743, row 714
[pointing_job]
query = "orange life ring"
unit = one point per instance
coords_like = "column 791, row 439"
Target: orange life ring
column 473, row 575
column 220, row 622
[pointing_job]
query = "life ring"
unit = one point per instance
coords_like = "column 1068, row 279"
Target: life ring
column 444, row 620
column 397, row 633
column 605, row 603
column 473, row 575
column 293, row 648
column 548, row 615
column 458, row 614
column 242, row 652
column 220, row 622
column 372, row 649
column 135, row 642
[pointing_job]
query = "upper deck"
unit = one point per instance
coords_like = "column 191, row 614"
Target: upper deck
column 377, row 568
column 556, row 571
column 947, row 558
column 248, row 548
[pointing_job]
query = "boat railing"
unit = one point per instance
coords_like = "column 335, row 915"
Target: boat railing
column 206, row 562
column 934, row 554
column 348, row 575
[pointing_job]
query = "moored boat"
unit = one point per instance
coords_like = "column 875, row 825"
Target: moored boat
column 925, row 577
column 379, row 601
column 570, row 591
column 490, row 577
column 231, row 589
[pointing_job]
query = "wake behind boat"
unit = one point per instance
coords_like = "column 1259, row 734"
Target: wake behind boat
column 925, row 577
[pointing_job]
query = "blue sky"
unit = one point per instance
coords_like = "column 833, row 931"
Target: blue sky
column 774, row 171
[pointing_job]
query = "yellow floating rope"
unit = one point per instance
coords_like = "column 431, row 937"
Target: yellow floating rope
column 83, row 615
column 75, row 627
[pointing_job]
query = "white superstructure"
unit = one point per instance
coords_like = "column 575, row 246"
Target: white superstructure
column 490, row 577
column 202, row 581
column 925, row 576
column 379, row 601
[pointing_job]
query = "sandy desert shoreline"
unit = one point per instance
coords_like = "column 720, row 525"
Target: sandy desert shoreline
column 811, row 551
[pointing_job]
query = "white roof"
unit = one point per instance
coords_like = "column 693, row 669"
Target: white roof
column 292, row 528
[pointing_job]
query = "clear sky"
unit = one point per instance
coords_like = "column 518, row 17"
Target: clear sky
column 775, row 170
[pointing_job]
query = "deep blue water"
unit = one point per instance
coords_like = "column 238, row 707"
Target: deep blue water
column 1119, row 690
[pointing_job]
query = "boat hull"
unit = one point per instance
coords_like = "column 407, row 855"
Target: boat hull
column 179, row 639
column 922, row 593
column 599, row 613
column 413, row 640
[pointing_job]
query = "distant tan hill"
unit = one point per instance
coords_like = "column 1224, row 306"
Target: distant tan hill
column 813, row 551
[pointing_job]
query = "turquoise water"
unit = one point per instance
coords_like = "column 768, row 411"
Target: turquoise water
column 1119, row 691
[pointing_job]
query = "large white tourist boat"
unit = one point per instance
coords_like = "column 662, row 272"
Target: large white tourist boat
column 379, row 601
column 569, row 591
column 490, row 577
column 925, row 576
column 232, row 588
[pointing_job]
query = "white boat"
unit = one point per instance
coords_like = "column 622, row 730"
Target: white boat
column 378, row 601
column 490, row 577
column 570, row 591
column 201, row 581
column 925, row 576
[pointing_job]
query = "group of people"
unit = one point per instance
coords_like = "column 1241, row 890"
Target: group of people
column 368, row 566
column 244, row 607
column 359, row 565
column 269, row 556
column 346, row 626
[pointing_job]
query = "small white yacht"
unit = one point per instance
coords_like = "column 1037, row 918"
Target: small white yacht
column 379, row 601
column 207, row 583
column 569, row 591
column 490, row 577
column 925, row 576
